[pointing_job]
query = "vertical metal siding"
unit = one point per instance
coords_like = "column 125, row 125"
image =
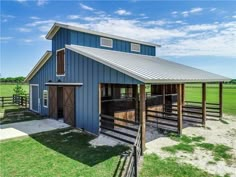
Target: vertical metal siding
column 91, row 73
column 91, row 40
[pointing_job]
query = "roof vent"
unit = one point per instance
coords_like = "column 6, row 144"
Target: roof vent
column 106, row 42
column 135, row 47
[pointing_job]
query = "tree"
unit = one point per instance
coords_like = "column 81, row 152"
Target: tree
column 18, row 90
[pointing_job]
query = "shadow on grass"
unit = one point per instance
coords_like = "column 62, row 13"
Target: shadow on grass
column 75, row 145
column 17, row 114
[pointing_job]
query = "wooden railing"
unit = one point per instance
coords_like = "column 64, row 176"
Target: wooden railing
column 164, row 120
column 212, row 109
column 20, row 100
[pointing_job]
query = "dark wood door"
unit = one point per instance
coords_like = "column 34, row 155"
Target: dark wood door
column 69, row 105
column 53, row 101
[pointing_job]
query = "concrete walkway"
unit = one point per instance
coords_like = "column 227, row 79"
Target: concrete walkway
column 26, row 128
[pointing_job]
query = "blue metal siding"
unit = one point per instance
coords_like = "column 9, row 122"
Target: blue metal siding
column 45, row 74
column 91, row 40
column 61, row 38
column 91, row 73
column 84, row 70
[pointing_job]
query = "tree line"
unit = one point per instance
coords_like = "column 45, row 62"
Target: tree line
column 19, row 79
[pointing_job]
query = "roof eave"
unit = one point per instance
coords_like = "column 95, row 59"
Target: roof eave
column 39, row 65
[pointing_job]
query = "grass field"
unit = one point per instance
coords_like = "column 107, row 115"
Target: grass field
column 154, row 166
column 194, row 93
column 7, row 89
column 58, row 153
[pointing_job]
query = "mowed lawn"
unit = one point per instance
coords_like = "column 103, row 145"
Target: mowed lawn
column 194, row 93
column 7, row 89
column 58, row 153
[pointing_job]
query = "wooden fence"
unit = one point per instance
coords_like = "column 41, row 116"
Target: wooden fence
column 212, row 109
column 14, row 100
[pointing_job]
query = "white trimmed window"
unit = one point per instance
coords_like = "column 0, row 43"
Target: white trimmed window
column 106, row 42
column 45, row 98
column 135, row 47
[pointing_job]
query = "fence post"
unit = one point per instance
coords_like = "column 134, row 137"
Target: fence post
column 21, row 100
column 135, row 162
column 26, row 101
column 2, row 101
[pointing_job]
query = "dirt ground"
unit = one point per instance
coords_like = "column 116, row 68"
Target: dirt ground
column 216, row 132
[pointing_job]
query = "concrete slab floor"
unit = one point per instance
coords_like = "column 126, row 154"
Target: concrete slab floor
column 21, row 129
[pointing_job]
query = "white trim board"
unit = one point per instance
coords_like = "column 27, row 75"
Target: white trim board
column 35, row 85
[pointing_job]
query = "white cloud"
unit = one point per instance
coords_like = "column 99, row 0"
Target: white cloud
column 21, row 1
column 122, row 12
column 24, row 29
column 85, row 7
column 41, row 2
column 212, row 9
column 5, row 18
column 5, row 38
column 201, row 27
column 192, row 11
column 34, row 18
column 28, row 40
column 73, row 17
column 234, row 16
column 174, row 12
column 196, row 10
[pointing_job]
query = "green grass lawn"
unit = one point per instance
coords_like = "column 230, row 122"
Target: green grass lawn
column 194, row 93
column 154, row 166
column 12, row 114
column 7, row 89
column 58, row 153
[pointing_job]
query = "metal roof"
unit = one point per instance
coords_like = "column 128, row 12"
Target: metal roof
column 37, row 67
column 57, row 26
column 147, row 69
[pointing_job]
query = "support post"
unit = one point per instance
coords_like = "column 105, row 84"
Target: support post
column 221, row 99
column 179, row 107
column 142, row 115
column 135, row 95
column 183, row 94
column 203, row 104
column 163, row 97
column 99, row 104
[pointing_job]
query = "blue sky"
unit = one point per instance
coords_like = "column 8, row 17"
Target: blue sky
column 196, row 33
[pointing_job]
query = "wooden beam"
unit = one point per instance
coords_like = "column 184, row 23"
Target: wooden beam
column 135, row 95
column 142, row 109
column 179, row 108
column 183, row 94
column 204, row 104
column 163, row 97
column 100, row 104
column 221, row 99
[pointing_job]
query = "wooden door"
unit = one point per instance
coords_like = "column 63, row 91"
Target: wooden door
column 53, row 101
column 69, row 105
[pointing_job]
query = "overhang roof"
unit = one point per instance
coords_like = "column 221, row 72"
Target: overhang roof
column 57, row 26
column 40, row 63
column 147, row 69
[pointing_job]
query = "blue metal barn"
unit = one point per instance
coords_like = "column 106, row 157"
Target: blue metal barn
column 86, row 69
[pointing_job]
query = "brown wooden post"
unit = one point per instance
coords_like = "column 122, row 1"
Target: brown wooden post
column 221, row 99
column 2, row 101
column 179, row 105
column 163, row 97
column 99, row 104
column 142, row 109
column 203, row 104
column 183, row 94
column 135, row 96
